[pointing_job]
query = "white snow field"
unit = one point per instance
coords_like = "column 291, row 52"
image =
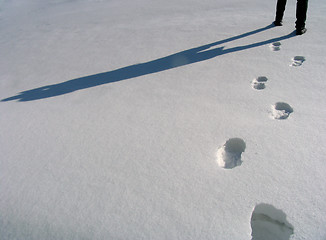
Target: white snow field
column 166, row 119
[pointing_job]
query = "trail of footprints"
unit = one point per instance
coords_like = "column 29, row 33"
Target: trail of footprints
column 267, row 222
column 229, row 155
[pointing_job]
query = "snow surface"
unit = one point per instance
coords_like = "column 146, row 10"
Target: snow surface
column 113, row 111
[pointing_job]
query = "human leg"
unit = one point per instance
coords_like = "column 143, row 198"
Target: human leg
column 301, row 14
column 280, row 8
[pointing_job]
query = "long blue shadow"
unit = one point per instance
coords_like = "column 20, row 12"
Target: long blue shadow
column 186, row 57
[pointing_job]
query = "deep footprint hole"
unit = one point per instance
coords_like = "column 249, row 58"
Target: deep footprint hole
column 282, row 106
column 270, row 223
column 262, row 79
column 299, row 58
column 297, row 61
column 235, row 145
column 281, row 110
column 229, row 155
column 276, row 44
column 259, row 85
column 259, row 82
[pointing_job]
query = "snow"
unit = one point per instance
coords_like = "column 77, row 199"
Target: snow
column 114, row 115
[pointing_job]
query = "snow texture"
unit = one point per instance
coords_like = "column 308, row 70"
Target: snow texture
column 130, row 119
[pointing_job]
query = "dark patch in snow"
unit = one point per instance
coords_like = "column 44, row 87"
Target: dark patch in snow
column 269, row 223
column 297, row 61
column 281, row 110
column 276, row 46
column 229, row 155
column 259, row 83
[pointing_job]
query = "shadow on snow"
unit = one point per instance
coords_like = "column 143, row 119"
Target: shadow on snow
column 179, row 59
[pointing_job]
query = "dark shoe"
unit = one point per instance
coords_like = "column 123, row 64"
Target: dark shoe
column 300, row 31
column 278, row 23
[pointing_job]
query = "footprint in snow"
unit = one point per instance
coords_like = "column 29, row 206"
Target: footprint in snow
column 259, row 83
column 269, row 223
column 297, row 61
column 229, row 155
column 281, row 110
column 276, row 46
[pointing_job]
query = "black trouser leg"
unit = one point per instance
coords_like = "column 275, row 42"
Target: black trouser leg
column 302, row 6
column 280, row 7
